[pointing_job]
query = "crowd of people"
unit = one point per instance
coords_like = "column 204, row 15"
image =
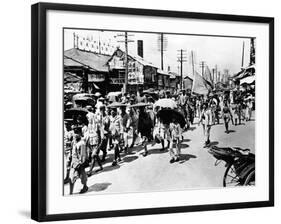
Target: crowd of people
column 109, row 126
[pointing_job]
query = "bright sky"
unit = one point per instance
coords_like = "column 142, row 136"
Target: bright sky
column 225, row 52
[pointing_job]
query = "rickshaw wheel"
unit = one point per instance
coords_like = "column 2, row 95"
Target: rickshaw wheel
column 231, row 178
column 250, row 180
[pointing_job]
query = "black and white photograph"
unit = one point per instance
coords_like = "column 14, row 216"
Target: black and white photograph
column 140, row 112
column 157, row 112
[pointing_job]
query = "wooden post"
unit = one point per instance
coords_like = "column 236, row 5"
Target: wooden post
column 162, row 50
column 192, row 61
column 126, row 62
column 242, row 64
column 181, row 71
column 73, row 40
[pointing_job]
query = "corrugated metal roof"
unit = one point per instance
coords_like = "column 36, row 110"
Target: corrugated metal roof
column 76, row 57
column 71, row 63
column 142, row 61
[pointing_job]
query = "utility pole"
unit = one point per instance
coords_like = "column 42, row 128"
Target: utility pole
column 100, row 41
column 125, row 41
column 181, row 59
column 192, row 62
column 252, row 51
column 202, row 65
column 162, row 46
column 216, row 70
column 242, row 64
column 161, row 39
column 126, row 62
column 225, row 75
column 213, row 73
column 74, row 40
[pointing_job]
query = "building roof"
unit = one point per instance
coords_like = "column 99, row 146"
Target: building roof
column 142, row 61
column 70, row 62
column 188, row 77
column 162, row 72
column 94, row 61
column 173, row 75
column 134, row 57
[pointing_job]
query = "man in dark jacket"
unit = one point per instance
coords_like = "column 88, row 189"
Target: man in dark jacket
column 145, row 126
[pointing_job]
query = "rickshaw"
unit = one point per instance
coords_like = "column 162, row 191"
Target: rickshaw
column 240, row 165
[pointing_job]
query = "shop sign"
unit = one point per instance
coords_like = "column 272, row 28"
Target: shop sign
column 96, row 77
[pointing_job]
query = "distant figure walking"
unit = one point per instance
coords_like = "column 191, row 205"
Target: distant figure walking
column 176, row 134
column 206, row 120
column 226, row 114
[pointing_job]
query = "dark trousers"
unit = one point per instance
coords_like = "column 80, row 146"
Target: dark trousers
column 191, row 116
column 104, row 146
column 226, row 123
column 116, row 152
column 95, row 157
column 217, row 116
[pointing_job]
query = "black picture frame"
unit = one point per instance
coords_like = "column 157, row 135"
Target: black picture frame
column 38, row 108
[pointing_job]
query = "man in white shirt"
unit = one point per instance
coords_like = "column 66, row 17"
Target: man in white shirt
column 207, row 120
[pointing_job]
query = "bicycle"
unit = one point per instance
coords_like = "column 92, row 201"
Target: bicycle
column 240, row 165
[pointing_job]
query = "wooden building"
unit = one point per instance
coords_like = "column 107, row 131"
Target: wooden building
column 141, row 74
column 91, row 67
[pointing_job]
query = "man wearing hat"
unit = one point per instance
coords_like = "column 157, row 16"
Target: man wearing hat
column 78, row 164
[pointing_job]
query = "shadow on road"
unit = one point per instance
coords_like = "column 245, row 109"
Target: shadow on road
column 186, row 157
column 109, row 159
column 136, row 149
column 191, row 128
column 105, row 169
column 213, row 144
column 99, row 187
column 157, row 151
column 240, row 124
column 130, row 152
column 219, row 123
column 230, row 131
column 186, row 140
column 183, row 146
column 128, row 159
